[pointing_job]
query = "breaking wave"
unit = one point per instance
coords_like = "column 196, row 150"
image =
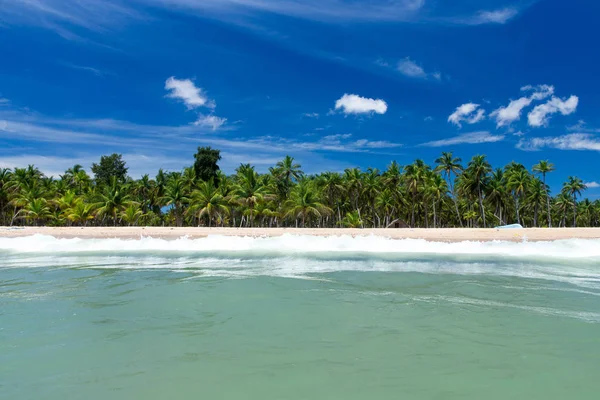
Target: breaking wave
column 573, row 261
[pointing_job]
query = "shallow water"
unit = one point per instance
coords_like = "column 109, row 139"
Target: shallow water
column 298, row 318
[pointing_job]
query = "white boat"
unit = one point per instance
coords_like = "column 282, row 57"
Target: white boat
column 513, row 226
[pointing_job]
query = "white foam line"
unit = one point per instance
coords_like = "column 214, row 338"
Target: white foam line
column 298, row 244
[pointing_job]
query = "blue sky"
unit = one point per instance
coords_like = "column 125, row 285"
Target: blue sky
column 334, row 83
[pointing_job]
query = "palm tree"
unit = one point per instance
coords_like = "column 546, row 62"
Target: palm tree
column 563, row 203
column 544, row 167
column 208, row 200
column 305, row 202
column 479, row 168
column 113, row 200
column 36, row 210
column 80, row 213
column 175, row 196
column 5, row 177
column 286, row 171
column 352, row 220
column 132, row 214
column 448, row 165
column 574, row 186
column 250, row 190
column 496, row 193
column 518, row 179
column 331, row 184
column 535, row 196
column 385, row 202
column 437, row 188
column 414, row 176
column 353, row 180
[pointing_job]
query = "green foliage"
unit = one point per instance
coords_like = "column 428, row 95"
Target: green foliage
column 109, row 167
column 415, row 195
column 205, row 164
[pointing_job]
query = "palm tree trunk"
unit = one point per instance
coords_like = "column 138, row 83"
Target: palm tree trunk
column 455, row 202
column 517, row 208
column 362, row 225
column 481, row 204
column 434, row 215
column 14, row 216
column 548, row 203
column 574, row 212
column 412, row 218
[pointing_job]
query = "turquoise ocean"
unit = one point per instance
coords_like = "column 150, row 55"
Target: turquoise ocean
column 298, row 317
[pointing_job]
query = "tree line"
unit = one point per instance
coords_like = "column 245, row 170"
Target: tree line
column 446, row 194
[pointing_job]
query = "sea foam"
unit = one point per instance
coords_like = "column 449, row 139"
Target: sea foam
column 287, row 244
column 574, row 261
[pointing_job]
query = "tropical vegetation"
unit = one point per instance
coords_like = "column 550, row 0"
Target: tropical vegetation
column 450, row 193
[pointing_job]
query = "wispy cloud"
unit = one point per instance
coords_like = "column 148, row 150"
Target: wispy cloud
column 64, row 17
column 582, row 127
column 592, row 185
column 211, row 121
column 468, row 112
column 91, row 70
column 320, row 10
column 466, row 138
column 500, row 16
column 408, row 67
column 343, row 143
column 355, row 104
column 311, row 115
column 412, row 69
column 572, row 141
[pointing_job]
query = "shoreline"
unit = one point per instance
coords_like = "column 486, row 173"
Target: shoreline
column 433, row 235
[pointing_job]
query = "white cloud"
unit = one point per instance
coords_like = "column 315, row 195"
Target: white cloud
column 311, row 115
column 572, row 141
column 342, row 143
column 469, row 113
column 540, row 92
column 354, row 104
column 506, row 115
column 320, row 10
column 540, row 115
column 94, row 15
column 512, row 112
column 592, row 185
column 154, row 146
column 408, row 67
column 581, row 126
column 466, row 138
column 186, row 90
column 501, row 16
column 210, row 121
column 411, row 69
column 93, row 70
column 3, row 101
column 336, row 138
column 429, row 118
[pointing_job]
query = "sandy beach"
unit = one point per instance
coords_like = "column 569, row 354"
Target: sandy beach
column 436, row 235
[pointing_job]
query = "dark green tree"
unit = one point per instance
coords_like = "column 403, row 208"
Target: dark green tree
column 205, row 163
column 110, row 166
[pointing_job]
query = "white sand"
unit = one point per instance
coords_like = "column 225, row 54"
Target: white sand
column 439, row 235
